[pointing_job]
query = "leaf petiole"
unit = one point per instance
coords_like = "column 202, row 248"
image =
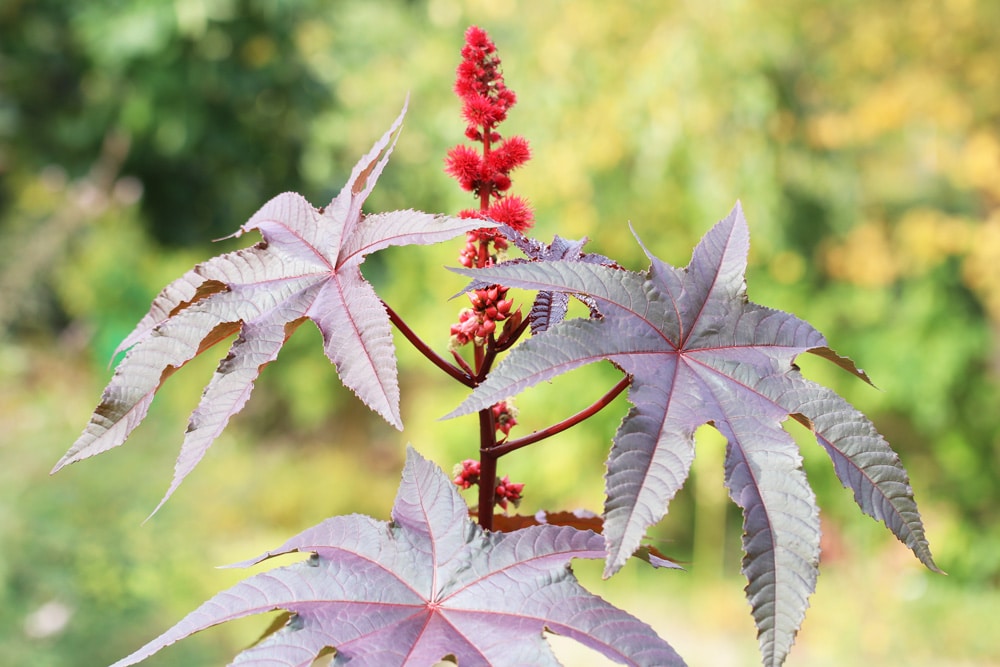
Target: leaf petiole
column 597, row 406
column 462, row 375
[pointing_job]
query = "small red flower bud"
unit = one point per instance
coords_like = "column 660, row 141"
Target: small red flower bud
column 504, row 416
column 508, row 491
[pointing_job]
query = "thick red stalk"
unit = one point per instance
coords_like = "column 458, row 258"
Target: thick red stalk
column 487, row 468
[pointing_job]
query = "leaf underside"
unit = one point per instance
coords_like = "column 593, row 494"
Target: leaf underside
column 306, row 267
column 699, row 352
column 428, row 584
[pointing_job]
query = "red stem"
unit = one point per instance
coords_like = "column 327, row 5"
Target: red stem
column 434, row 357
column 514, row 335
column 477, row 353
column 487, row 468
column 486, row 192
column 601, row 403
column 489, row 355
column 462, row 363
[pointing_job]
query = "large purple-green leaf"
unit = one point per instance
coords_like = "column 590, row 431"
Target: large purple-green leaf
column 699, row 352
column 426, row 585
column 307, row 267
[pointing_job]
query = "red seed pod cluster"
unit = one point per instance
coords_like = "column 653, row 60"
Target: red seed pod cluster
column 510, row 210
column 466, row 475
column 489, row 306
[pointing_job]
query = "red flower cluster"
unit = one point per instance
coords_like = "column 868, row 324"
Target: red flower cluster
column 488, row 307
column 508, row 491
column 504, row 416
column 476, row 252
column 466, row 473
column 487, row 173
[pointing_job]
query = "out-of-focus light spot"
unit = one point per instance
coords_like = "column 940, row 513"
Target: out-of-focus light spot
column 48, row 620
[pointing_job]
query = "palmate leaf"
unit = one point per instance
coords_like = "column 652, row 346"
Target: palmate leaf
column 426, row 585
column 307, row 267
column 699, row 352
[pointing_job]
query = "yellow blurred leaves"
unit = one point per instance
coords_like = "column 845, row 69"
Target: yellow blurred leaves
column 876, row 253
column 979, row 163
column 926, row 237
column 864, row 258
column 787, row 267
column 981, row 268
column 915, row 101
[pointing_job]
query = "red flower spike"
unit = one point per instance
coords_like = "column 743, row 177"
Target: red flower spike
column 481, row 111
column 477, row 37
column 485, row 102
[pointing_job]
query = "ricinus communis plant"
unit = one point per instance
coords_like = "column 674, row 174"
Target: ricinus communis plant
column 431, row 584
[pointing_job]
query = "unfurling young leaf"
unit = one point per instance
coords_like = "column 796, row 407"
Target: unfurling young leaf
column 699, row 352
column 307, row 267
column 426, row 585
column 549, row 308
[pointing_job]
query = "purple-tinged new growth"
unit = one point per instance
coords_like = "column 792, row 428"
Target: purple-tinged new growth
column 550, row 308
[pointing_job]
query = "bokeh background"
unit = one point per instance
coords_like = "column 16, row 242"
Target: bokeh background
column 863, row 139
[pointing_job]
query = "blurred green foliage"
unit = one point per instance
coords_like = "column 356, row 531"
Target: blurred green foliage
column 862, row 139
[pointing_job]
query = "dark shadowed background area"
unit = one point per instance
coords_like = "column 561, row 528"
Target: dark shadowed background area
column 862, row 138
